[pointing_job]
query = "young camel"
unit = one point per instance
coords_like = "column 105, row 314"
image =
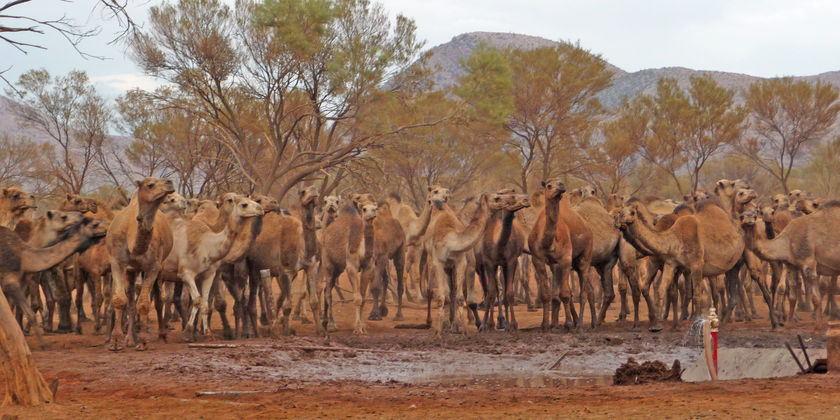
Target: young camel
column 808, row 245
column 499, row 248
column 138, row 242
column 705, row 244
column 348, row 245
column 605, row 252
column 196, row 254
column 18, row 257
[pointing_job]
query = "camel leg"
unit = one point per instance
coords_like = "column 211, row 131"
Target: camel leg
column 732, row 279
column 379, row 288
column 510, row 269
column 81, row 278
column 49, row 300
column 312, row 291
column 399, row 267
column 668, row 272
column 811, row 278
column 206, row 282
column 160, row 308
column 487, row 274
column 561, row 294
column 607, row 288
column 189, row 278
column 284, row 307
column 439, row 276
column 623, row 287
column 11, row 287
column 254, row 285
column 119, row 300
column 792, row 286
column 354, row 275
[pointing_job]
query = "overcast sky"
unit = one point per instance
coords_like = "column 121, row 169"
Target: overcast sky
column 762, row 38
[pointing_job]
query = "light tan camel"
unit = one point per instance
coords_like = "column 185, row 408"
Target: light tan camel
column 196, row 254
column 705, row 244
column 605, row 252
column 138, row 242
column 447, row 243
column 808, row 244
column 348, row 245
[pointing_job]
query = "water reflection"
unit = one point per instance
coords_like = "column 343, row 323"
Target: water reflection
column 517, row 381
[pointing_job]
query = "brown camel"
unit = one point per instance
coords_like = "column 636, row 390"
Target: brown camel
column 705, row 244
column 499, row 249
column 196, row 254
column 389, row 240
column 405, row 215
column 14, row 203
column 726, row 190
column 18, row 257
column 551, row 244
column 808, row 245
column 138, row 242
column 348, row 245
column 285, row 246
column 605, row 252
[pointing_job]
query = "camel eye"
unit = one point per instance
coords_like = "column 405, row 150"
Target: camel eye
column 17, row 196
column 63, row 217
column 78, row 201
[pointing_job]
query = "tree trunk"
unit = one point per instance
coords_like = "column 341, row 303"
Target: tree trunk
column 24, row 383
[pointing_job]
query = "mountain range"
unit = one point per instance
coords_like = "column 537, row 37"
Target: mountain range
column 446, row 58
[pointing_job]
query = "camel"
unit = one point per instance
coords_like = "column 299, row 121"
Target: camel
column 285, row 246
column 348, row 245
column 550, row 244
column 705, row 244
column 44, row 231
column 138, row 242
column 14, row 203
column 500, row 247
column 447, row 243
column 196, row 254
column 18, row 257
column 578, row 194
column 389, row 240
column 806, row 206
column 605, row 238
column 726, row 190
column 405, row 215
column 781, row 201
column 808, row 244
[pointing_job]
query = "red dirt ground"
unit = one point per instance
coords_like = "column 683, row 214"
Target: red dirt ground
column 162, row 382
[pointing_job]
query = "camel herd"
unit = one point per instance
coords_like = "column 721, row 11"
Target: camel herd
column 182, row 254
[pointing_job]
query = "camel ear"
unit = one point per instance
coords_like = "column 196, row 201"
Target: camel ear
column 542, row 184
column 50, row 214
column 6, row 192
column 302, row 192
column 429, row 188
column 69, row 197
column 138, row 183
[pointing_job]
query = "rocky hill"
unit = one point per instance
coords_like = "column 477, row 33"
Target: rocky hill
column 447, row 56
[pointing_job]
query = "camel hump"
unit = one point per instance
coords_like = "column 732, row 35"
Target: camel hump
column 830, row 204
column 709, row 202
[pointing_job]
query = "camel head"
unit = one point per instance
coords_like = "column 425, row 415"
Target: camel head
column 518, row 202
column 309, row 196
column 615, row 201
column 748, row 218
column 331, row 204
column 173, row 202
column 368, row 211
column 807, row 206
column 75, row 202
column 744, row 196
column 587, row 191
column 554, row 188
column 727, row 188
column 245, row 208
column 796, row 195
column 152, row 189
column 60, row 221
column 699, row 196
column 768, row 214
column 780, row 201
column 226, row 201
column 267, row 203
column 627, row 215
column 192, row 205
column 439, row 196
column 394, row 197
column 17, row 200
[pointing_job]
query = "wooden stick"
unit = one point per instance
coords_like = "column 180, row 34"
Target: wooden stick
column 203, row 393
column 557, row 363
column 794, row 357
column 805, row 352
column 212, row 346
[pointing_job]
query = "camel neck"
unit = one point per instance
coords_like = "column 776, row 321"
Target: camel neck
column 310, row 240
column 767, row 249
column 244, row 239
column 551, row 208
column 652, row 241
column 507, row 228
column 418, row 226
column 39, row 259
column 145, row 226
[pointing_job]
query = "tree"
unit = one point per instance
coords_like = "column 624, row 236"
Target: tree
column 615, row 165
column 688, row 128
column 552, row 104
column 22, row 161
column 787, row 117
column 822, row 169
column 74, row 117
column 282, row 85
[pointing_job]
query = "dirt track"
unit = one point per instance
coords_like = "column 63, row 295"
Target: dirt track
column 407, row 373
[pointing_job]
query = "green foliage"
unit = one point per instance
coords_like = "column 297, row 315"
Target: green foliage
column 299, row 24
column 487, row 85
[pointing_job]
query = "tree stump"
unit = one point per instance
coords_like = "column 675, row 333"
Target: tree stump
column 24, row 383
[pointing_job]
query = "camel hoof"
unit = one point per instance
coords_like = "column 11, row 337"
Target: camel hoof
column 634, row 328
column 383, row 311
column 141, row 347
column 359, row 331
column 63, row 330
column 115, row 347
column 485, row 327
column 264, row 320
column 655, row 328
column 512, row 327
column 78, row 330
column 227, row 334
column 399, row 317
column 374, row 317
column 304, row 320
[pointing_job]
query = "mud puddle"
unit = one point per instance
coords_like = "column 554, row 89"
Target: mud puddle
column 546, row 380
